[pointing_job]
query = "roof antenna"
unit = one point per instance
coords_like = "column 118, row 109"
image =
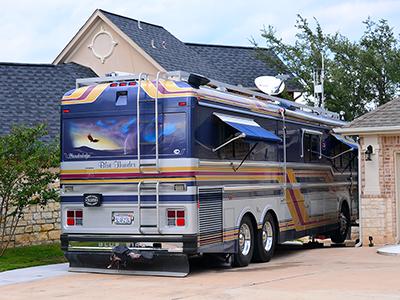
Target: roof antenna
column 153, row 44
column 139, row 25
column 318, row 78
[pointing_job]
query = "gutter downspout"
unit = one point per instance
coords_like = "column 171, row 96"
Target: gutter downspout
column 360, row 242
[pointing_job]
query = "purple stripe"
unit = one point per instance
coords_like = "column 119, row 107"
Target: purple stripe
column 84, row 95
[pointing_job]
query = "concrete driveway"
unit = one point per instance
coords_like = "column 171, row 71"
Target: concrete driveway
column 326, row 273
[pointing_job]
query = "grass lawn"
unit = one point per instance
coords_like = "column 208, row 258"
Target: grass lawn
column 23, row 257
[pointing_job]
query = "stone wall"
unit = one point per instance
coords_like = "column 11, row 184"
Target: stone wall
column 39, row 225
column 379, row 206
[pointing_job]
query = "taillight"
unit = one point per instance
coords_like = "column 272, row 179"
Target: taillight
column 74, row 217
column 176, row 217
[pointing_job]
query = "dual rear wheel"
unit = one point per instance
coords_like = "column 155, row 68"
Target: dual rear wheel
column 257, row 245
column 344, row 226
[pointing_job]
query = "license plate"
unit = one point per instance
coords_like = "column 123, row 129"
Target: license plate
column 122, row 218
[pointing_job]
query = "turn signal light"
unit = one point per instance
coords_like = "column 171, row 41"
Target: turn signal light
column 74, row 217
column 176, row 217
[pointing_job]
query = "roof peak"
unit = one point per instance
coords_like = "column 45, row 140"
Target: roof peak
column 128, row 18
column 224, row 46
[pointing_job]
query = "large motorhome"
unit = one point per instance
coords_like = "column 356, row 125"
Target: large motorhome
column 183, row 166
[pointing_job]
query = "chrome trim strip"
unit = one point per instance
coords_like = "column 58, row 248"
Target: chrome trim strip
column 253, row 187
column 271, row 164
column 88, row 248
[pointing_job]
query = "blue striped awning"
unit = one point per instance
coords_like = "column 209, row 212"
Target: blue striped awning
column 249, row 128
column 347, row 141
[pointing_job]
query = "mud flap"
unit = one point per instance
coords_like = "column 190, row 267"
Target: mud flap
column 160, row 264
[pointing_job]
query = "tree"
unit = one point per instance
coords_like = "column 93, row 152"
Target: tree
column 359, row 75
column 27, row 176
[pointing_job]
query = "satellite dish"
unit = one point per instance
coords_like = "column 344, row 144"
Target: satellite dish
column 270, row 85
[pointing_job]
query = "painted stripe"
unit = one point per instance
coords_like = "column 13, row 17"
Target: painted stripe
column 165, row 174
column 132, row 199
column 135, row 180
column 89, row 96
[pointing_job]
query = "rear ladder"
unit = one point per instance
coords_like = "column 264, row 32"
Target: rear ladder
column 152, row 186
column 152, row 166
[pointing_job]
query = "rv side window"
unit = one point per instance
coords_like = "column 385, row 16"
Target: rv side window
column 311, row 145
column 265, row 151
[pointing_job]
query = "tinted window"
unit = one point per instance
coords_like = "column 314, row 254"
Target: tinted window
column 115, row 136
column 311, row 144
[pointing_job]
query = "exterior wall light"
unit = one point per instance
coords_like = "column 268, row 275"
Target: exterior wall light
column 368, row 152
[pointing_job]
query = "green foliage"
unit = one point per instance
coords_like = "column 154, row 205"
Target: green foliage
column 23, row 257
column 358, row 74
column 27, row 175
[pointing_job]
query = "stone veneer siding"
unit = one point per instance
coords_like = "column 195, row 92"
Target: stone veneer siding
column 378, row 217
column 39, row 225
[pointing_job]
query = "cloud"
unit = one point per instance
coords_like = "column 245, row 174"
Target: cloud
column 36, row 31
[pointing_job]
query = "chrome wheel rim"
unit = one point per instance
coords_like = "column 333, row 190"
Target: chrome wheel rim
column 343, row 224
column 267, row 236
column 244, row 239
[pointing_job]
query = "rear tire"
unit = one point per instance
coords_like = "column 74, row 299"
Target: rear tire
column 340, row 234
column 267, row 238
column 245, row 243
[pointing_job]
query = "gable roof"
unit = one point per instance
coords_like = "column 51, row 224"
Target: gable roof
column 168, row 51
column 384, row 119
column 30, row 93
column 231, row 64
column 387, row 114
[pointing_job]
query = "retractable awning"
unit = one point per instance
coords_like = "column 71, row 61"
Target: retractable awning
column 248, row 128
column 352, row 144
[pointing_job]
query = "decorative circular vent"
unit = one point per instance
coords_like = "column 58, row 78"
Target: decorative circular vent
column 102, row 45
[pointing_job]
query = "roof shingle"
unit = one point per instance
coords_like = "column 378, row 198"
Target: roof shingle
column 386, row 115
column 30, row 93
column 231, row 64
column 169, row 52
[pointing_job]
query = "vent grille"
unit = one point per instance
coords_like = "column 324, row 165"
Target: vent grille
column 210, row 216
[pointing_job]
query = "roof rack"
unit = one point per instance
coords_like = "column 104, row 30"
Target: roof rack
column 291, row 105
column 213, row 84
column 110, row 77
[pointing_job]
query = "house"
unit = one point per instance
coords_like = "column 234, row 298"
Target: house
column 379, row 157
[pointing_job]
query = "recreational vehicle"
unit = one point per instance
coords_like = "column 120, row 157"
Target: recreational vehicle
column 157, row 170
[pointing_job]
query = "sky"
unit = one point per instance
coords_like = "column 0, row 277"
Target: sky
column 35, row 31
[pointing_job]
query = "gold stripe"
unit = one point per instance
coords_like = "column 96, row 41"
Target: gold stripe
column 93, row 95
column 77, row 93
column 177, row 179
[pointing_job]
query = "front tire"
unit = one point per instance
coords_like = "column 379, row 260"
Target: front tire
column 245, row 243
column 340, row 234
column 266, row 240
